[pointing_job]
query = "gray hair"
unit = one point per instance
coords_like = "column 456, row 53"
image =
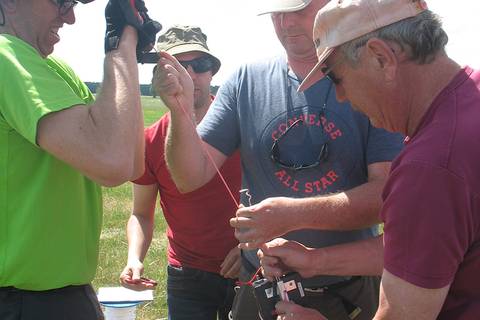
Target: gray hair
column 421, row 36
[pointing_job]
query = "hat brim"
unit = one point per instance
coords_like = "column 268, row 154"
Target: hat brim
column 189, row 47
column 284, row 6
column 316, row 73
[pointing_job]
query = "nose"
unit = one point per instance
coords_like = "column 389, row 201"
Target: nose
column 192, row 73
column 69, row 17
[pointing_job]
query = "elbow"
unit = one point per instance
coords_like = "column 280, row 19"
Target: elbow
column 114, row 177
column 138, row 170
column 118, row 172
column 184, row 182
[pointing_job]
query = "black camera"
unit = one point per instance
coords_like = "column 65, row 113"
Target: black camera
column 149, row 57
column 267, row 294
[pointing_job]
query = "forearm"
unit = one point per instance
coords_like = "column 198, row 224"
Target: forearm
column 103, row 141
column 400, row 300
column 185, row 154
column 139, row 235
column 357, row 258
column 116, row 116
column 354, row 209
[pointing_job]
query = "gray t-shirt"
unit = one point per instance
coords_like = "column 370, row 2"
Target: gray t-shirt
column 257, row 104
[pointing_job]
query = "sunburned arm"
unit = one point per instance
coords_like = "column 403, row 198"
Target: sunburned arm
column 140, row 228
column 104, row 140
column 400, row 299
column 188, row 158
column 364, row 257
column 141, row 223
column 273, row 217
column 353, row 209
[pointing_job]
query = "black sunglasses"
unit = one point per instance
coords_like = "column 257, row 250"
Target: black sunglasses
column 199, row 65
column 64, row 6
column 330, row 75
column 328, row 71
column 275, row 153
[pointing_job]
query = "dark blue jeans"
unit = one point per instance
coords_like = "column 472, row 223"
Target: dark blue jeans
column 68, row 303
column 197, row 294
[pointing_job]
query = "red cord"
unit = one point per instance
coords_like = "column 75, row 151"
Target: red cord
column 249, row 282
column 209, row 156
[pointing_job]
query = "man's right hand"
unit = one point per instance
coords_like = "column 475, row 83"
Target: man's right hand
column 131, row 277
column 173, row 84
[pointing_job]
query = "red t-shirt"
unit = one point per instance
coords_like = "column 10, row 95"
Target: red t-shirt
column 199, row 233
column 432, row 201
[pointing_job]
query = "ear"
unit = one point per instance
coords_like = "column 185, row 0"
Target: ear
column 383, row 57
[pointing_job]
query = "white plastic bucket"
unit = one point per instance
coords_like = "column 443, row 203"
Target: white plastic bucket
column 124, row 313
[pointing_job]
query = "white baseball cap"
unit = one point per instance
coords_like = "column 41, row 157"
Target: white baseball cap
column 341, row 21
column 272, row 6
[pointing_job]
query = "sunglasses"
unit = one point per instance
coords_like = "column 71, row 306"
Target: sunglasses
column 199, row 65
column 327, row 71
column 64, row 6
column 330, row 75
column 275, row 153
column 290, row 137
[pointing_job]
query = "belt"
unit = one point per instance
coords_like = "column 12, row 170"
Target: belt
column 352, row 310
column 334, row 286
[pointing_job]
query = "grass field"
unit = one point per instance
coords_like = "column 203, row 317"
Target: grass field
column 113, row 242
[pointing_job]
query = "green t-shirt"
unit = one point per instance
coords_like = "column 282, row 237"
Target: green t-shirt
column 50, row 214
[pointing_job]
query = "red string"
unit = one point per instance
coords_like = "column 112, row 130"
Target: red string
column 209, row 156
column 249, row 282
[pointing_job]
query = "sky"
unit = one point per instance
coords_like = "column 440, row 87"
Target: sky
column 235, row 33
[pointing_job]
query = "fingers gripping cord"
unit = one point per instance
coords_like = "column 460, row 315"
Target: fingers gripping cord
column 210, row 158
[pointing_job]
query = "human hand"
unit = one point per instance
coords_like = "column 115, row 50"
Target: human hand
column 231, row 264
column 119, row 13
column 257, row 224
column 173, row 84
column 131, row 277
column 287, row 310
column 280, row 256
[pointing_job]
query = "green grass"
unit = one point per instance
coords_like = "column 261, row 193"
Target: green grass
column 113, row 241
column 153, row 109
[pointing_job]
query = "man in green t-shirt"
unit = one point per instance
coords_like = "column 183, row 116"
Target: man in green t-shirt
column 57, row 146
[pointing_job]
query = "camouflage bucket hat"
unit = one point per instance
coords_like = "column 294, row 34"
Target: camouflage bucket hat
column 181, row 39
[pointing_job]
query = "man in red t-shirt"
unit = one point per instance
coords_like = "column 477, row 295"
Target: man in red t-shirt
column 389, row 60
column 203, row 258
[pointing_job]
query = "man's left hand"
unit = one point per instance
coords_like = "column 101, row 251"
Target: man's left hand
column 231, row 264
